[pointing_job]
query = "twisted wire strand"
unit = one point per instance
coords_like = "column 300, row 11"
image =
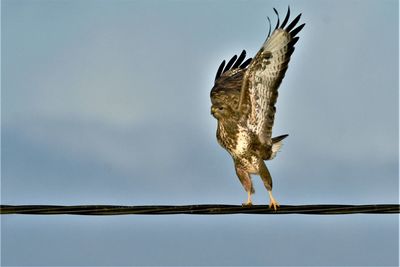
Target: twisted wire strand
column 209, row 209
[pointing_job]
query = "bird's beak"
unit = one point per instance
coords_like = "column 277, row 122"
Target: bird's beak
column 212, row 110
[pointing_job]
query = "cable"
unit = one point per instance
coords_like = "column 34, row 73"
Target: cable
column 210, row 209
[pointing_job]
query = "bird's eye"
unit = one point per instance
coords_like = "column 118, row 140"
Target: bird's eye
column 220, row 108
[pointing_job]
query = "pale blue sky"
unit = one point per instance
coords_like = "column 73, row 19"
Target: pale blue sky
column 107, row 102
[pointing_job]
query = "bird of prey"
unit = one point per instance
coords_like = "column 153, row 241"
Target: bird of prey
column 243, row 102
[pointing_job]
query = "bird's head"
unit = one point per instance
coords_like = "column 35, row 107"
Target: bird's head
column 221, row 111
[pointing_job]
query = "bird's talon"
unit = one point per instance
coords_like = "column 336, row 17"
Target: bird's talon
column 274, row 205
column 247, row 204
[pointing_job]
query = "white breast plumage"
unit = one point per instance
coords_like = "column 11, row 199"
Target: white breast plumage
column 243, row 141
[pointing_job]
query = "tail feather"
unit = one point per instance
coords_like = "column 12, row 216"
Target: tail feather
column 277, row 144
column 279, row 138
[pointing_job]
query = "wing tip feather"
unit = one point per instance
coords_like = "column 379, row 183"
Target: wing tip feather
column 293, row 23
column 277, row 15
column 219, row 71
column 290, row 28
column 286, row 19
column 295, row 31
column 234, row 63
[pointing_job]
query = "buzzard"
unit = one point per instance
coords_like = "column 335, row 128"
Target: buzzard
column 243, row 102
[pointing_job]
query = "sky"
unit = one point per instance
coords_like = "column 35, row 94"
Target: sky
column 107, row 102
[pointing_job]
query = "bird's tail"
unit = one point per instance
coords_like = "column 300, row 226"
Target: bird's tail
column 277, row 144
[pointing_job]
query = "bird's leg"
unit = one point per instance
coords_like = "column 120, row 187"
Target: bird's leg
column 267, row 180
column 248, row 203
column 272, row 202
column 245, row 179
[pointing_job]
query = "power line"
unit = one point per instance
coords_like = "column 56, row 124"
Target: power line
column 210, row 209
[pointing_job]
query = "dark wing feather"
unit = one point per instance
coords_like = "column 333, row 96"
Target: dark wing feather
column 246, row 63
column 219, row 71
column 230, row 63
column 239, row 60
column 234, row 64
column 286, row 18
column 259, row 90
column 228, row 81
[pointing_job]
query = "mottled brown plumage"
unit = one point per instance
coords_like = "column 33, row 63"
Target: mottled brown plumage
column 243, row 101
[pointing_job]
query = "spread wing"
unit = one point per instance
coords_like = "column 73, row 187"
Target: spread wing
column 229, row 79
column 259, row 90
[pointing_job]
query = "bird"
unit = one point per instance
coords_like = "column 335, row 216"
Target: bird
column 243, row 102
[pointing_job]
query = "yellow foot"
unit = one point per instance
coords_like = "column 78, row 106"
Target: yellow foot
column 247, row 204
column 272, row 202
